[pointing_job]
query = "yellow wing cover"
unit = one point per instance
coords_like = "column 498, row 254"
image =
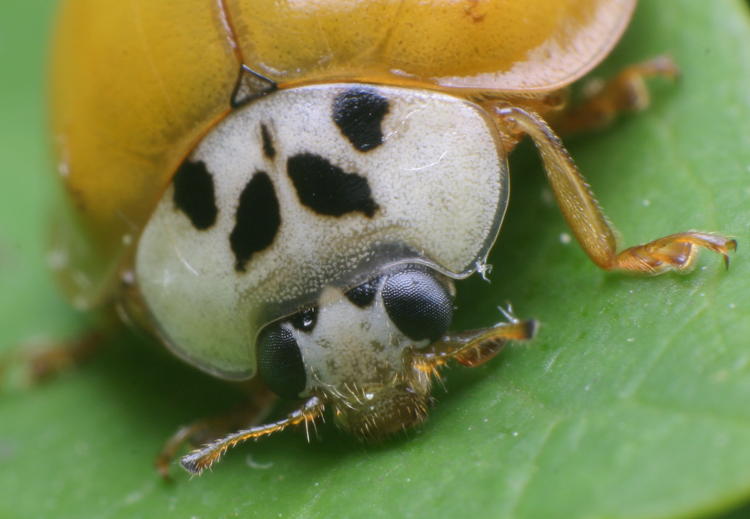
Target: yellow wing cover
column 136, row 84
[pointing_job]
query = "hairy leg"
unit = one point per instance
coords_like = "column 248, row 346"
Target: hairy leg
column 207, row 430
column 586, row 219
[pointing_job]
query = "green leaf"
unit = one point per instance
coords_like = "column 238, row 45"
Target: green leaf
column 631, row 403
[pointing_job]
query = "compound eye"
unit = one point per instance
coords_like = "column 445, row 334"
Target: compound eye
column 418, row 304
column 280, row 361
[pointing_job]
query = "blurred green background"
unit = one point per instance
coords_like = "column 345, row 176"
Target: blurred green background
column 632, row 402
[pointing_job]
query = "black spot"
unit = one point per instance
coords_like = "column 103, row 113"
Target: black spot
column 418, row 304
column 257, row 219
column 364, row 294
column 359, row 113
column 280, row 362
column 194, row 194
column 268, row 150
column 305, row 320
column 328, row 189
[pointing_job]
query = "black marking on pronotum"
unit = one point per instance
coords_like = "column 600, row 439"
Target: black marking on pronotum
column 305, row 320
column 194, row 194
column 328, row 189
column 364, row 294
column 257, row 219
column 268, row 149
column 250, row 85
column 359, row 113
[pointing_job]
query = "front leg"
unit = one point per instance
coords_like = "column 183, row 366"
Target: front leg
column 203, row 458
column 207, row 430
column 586, row 219
column 473, row 348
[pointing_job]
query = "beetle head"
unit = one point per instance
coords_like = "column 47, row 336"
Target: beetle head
column 355, row 349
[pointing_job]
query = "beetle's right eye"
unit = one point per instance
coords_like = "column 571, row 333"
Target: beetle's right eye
column 418, row 304
column 280, row 361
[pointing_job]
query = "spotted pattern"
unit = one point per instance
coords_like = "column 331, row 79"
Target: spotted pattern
column 194, row 194
column 211, row 294
column 257, row 219
column 359, row 113
column 268, row 148
column 327, row 189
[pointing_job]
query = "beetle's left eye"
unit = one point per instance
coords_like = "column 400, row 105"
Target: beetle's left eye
column 280, row 361
column 418, row 304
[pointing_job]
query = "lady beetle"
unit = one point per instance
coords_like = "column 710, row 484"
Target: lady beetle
column 290, row 189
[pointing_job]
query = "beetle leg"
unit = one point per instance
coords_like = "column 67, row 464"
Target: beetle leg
column 185, row 434
column 41, row 362
column 208, row 429
column 605, row 100
column 473, row 348
column 201, row 459
column 586, row 219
